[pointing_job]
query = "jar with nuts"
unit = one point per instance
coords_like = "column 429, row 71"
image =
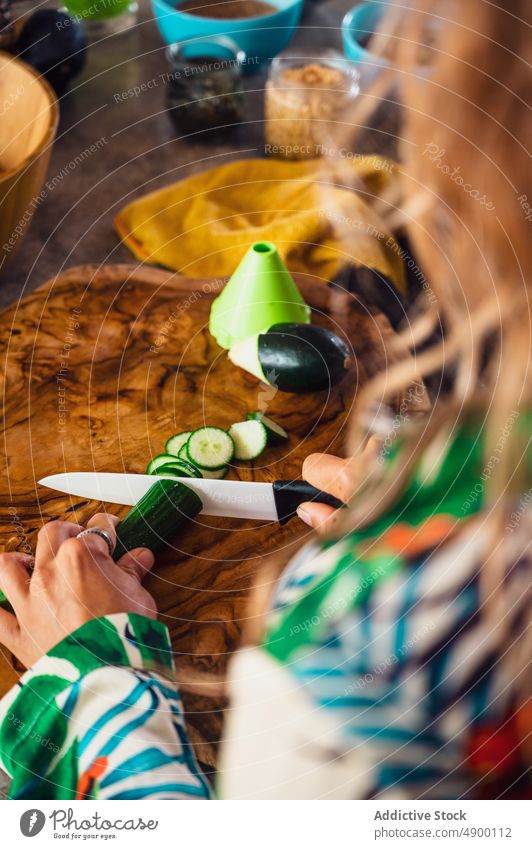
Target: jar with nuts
column 306, row 95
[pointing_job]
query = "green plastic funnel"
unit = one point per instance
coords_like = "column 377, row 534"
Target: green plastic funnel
column 261, row 292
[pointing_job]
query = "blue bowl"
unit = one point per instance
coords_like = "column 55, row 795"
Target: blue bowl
column 260, row 38
column 357, row 24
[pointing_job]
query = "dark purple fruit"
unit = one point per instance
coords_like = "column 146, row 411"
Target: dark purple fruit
column 55, row 45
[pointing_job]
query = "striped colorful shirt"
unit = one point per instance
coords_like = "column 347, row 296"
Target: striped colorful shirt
column 375, row 678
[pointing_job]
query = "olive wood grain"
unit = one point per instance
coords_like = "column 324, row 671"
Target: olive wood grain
column 101, row 365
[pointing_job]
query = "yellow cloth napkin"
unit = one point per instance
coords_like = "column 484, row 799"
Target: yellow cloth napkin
column 317, row 213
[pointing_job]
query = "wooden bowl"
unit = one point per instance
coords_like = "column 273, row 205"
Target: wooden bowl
column 29, row 114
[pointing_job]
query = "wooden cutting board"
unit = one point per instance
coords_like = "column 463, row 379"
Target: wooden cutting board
column 101, row 365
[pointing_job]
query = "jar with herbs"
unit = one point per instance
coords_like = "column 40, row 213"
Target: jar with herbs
column 306, row 96
column 204, row 86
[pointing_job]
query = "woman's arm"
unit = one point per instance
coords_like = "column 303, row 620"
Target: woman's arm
column 99, row 715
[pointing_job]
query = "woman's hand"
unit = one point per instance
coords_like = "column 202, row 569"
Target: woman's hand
column 338, row 477
column 73, row 581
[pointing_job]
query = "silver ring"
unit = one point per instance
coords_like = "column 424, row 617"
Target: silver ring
column 101, row 533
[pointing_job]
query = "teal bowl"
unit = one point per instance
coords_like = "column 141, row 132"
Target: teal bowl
column 358, row 26
column 260, row 38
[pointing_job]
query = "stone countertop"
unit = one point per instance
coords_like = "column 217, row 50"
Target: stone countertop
column 112, row 147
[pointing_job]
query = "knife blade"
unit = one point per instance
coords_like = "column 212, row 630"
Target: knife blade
column 277, row 501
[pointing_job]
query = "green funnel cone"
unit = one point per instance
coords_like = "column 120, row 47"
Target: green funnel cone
column 261, row 292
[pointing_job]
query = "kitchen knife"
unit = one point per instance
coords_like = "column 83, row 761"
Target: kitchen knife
column 277, row 501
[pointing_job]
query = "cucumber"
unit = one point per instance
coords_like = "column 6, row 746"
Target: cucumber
column 183, row 455
column 294, row 357
column 275, row 433
column 181, row 469
column 154, row 520
column 215, row 474
column 250, row 438
column 210, row 448
column 176, row 442
column 159, row 460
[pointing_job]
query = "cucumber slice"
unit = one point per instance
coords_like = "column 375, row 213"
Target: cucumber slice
column 276, row 434
column 154, row 520
column 210, row 448
column 181, row 469
column 215, row 474
column 183, row 454
column 175, row 442
column 159, row 460
column 250, row 438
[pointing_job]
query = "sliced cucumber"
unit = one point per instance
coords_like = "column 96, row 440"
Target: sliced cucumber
column 250, row 438
column 215, row 474
column 159, row 460
column 210, row 448
column 181, row 469
column 176, row 442
column 294, row 357
column 276, row 434
column 154, row 520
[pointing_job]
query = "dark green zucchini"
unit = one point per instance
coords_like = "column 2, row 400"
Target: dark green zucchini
column 154, row 520
column 294, row 357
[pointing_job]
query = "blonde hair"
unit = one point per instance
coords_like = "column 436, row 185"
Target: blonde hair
column 463, row 85
column 462, row 72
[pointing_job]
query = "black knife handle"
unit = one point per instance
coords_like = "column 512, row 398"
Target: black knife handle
column 290, row 494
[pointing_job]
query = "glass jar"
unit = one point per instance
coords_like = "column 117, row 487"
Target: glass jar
column 103, row 17
column 204, row 89
column 306, row 95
